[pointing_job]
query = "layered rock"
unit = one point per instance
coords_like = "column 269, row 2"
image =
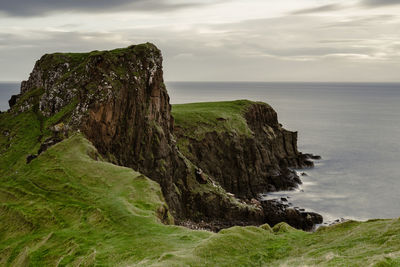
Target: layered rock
column 119, row 101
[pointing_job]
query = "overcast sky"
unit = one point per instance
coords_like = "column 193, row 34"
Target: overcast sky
column 214, row 40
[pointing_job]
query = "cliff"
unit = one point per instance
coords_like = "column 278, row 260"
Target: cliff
column 241, row 144
column 118, row 100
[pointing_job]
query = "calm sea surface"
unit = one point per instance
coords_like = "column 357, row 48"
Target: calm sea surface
column 355, row 127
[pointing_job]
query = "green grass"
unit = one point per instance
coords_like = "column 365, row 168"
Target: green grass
column 68, row 207
column 23, row 133
column 197, row 119
column 65, row 207
column 48, row 61
column 349, row 244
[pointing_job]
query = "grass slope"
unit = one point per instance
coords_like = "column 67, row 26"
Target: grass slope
column 70, row 208
column 67, row 208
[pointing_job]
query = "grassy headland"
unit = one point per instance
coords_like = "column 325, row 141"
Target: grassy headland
column 200, row 118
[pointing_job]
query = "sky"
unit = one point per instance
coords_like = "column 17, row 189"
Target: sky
column 214, row 40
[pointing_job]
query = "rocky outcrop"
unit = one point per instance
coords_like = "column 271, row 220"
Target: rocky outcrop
column 276, row 212
column 248, row 165
column 119, row 101
column 13, row 100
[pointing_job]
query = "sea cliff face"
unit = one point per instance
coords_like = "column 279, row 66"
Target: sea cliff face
column 245, row 163
column 119, row 101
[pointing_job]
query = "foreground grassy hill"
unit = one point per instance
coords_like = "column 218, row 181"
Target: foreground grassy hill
column 69, row 207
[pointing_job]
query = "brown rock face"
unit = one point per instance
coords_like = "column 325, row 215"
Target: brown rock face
column 247, row 166
column 133, row 127
column 119, row 101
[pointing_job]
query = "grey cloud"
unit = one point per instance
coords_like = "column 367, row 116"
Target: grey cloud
column 377, row 3
column 320, row 9
column 358, row 22
column 338, row 41
column 43, row 7
column 308, row 37
column 316, row 51
column 48, row 40
column 19, row 51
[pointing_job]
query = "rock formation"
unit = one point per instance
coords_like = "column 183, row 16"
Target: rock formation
column 248, row 165
column 119, row 101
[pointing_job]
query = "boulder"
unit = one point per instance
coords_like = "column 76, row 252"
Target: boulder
column 13, row 100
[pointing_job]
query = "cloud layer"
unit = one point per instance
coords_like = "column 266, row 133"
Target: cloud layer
column 319, row 9
column 381, row 2
column 42, row 7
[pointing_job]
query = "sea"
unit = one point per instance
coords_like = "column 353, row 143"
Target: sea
column 7, row 89
column 354, row 127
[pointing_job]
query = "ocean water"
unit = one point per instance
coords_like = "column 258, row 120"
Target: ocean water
column 6, row 90
column 355, row 127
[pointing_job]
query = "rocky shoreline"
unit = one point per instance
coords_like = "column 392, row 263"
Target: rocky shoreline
column 275, row 210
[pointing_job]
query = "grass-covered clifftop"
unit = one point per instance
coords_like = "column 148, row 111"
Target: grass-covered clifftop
column 69, row 207
column 199, row 118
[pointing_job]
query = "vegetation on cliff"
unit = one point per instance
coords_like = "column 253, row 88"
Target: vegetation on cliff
column 197, row 119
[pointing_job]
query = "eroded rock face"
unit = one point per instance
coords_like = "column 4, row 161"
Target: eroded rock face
column 119, row 101
column 247, row 166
